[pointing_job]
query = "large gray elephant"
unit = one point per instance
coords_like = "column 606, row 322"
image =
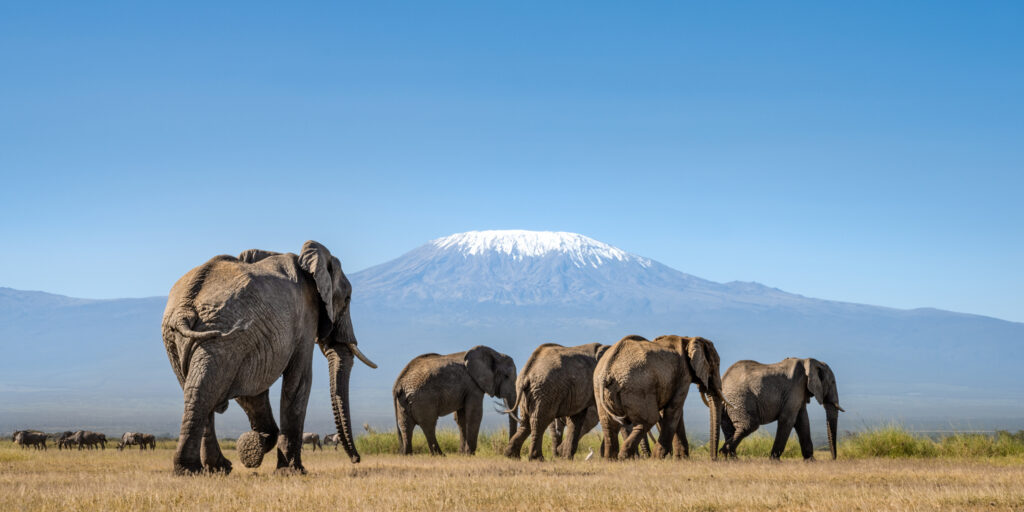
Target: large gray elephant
column 556, row 382
column 232, row 326
column 434, row 385
column 645, row 383
column 762, row 393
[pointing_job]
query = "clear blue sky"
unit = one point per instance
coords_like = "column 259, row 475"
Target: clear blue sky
column 869, row 152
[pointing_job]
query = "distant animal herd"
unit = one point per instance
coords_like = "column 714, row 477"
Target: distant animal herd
column 235, row 325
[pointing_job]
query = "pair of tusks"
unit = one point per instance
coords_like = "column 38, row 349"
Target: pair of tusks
column 357, row 353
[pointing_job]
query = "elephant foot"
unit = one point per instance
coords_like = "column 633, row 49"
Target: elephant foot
column 187, row 468
column 220, row 466
column 250, row 447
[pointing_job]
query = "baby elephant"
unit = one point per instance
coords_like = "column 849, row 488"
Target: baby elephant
column 434, row 385
column 762, row 393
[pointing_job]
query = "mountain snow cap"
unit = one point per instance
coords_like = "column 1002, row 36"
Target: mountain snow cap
column 517, row 243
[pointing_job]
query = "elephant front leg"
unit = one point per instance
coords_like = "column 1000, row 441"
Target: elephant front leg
column 294, row 397
column 681, row 445
column 213, row 459
column 474, row 414
column 803, row 433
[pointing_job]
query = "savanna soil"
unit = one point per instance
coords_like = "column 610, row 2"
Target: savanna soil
column 129, row 481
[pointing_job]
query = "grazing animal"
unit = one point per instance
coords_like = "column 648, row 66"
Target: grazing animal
column 26, row 438
column 332, row 439
column 88, row 439
column 64, row 440
column 644, row 383
column 136, row 438
column 313, row 439
column 233, row 326
column 434, row 385
column 762, row 393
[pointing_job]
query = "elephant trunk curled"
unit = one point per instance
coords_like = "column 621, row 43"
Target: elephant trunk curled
column 339, row 361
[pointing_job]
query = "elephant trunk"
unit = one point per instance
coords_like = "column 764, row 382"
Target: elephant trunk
column 715, row 406
column 832, row 419
column 340, row 364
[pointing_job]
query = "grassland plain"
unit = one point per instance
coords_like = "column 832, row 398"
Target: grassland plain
column 886, row 469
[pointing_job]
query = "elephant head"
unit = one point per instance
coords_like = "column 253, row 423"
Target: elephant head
column 703, row 364
column 495, row 374
column 335, row 334
column 821, row 384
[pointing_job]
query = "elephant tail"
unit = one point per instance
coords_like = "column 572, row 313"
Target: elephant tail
column 182, row 326
column 606, row 401
column 521, row 398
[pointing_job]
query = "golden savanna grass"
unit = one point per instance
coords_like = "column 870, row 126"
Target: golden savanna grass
column 131, row 480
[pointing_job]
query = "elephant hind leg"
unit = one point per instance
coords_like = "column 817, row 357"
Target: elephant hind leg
column 201, row 398
column 261, row 418
column 538, row 424
column 406, row 425
column 212, row 458
column 629, row 446
column 429, row 431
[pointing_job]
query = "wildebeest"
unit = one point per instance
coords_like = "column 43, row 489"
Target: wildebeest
column 88, row 439
column 137, row 438
column 332, row 439
column 26, row 438
column 312, row 438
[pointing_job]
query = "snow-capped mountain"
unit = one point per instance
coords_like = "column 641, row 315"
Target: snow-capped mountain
column 542, row 268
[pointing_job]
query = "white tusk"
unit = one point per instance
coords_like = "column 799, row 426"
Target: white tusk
column 837, row 407
column 357, row 353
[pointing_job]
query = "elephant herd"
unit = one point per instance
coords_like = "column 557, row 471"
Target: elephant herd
column 628, row 388
column 235, row 325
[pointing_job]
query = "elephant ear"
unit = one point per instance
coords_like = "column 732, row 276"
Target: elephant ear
column 480, row 362
column 254, row 255
column 315, row 259
column 814, row 383
column 696, row 350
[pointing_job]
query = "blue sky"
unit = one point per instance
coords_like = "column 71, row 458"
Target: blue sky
column 867, row 152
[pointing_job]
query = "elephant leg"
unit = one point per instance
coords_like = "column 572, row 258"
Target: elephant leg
column 515, row 445
column 406, row 425
column 610, row 444
column 728, row 432
column 629, row 446
column 203, row 392
column 429, row 428
column 538, row 424
column 460, row 420
column 576, row 427
column 213, row 459
column 666, row 434
column 681, row 445
column 785, row 428
column 557, row 438
column 474, row 412
column 294, row 397
column 261, row 418
column 803, row 433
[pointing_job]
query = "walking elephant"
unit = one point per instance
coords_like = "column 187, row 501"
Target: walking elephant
column 434, row 385
column 762, row 393
column 139, row 439
column 556, row 382
column 644, row 383
column 232, row 326
column 313, row 439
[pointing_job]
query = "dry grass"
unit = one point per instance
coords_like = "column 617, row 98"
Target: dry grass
column 127, row 481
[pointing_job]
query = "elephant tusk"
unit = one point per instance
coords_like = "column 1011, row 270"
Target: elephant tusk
column 357, row 353
column 837, row 407
column 704, row 399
